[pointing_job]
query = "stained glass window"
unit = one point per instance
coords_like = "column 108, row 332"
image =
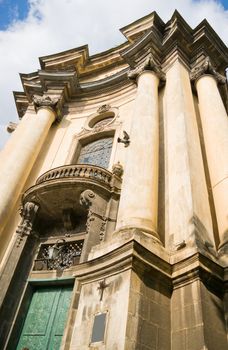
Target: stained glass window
column 97, row 152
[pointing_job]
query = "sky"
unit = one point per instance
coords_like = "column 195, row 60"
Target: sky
column 30, row 29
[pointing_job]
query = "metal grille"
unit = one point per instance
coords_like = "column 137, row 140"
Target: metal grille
column 69, row 254
column 97, row 152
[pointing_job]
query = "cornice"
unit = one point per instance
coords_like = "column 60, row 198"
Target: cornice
column 65, row 73
column 133, row 256
column 136, row 29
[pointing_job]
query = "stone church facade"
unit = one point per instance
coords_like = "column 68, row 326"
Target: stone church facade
column 114, row 196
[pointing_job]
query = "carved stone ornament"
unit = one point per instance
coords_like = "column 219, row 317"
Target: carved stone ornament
column 86, row 198
column 103, row 228
column 28, row 213
column 206, row 68
column 104, row 108
column 117, row 170
column 90, row 219
column 48, row 102
column 148, row 64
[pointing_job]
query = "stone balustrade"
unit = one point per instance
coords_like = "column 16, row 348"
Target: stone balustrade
column 77, row 171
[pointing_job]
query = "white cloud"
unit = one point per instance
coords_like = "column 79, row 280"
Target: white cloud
column 57, row 25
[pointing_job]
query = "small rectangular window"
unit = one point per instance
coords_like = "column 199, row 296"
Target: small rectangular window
column 98, row 328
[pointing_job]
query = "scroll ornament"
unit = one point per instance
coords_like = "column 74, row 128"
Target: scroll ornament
column 28, row 213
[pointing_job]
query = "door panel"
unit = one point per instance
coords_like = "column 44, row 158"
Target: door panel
column 60, row 318
column 46, row 318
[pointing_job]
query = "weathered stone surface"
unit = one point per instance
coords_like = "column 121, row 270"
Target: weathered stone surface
column 154, row 252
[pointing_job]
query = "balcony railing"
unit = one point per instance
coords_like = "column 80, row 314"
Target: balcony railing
column 77, row 171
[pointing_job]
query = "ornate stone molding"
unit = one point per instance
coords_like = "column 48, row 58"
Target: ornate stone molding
column 206, row 68
column 104, row 108
column 148, row 65
column 48, row 102
column 94, row 123
column 28, row 213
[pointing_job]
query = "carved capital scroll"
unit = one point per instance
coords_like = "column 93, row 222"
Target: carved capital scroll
column 48, row 102
column 206, row 68
column 86, row 198
column 148, row 65
column 28, row 213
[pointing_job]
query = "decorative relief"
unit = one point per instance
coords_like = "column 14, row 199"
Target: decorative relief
column 105, row 118
column 103, row 227
column 206, row 68
column 49, row 102
column 86, row 198
column 104, row 108
column 117, row 170
column 28, row 213
column 66, row 255
column 90, row 219
column 148, row 64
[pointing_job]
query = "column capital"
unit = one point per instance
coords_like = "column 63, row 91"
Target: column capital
column 148, row 65
column 52, row 103
column 206, row 68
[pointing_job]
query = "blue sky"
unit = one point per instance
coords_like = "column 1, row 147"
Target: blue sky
column 34, row 28
column 12, row 10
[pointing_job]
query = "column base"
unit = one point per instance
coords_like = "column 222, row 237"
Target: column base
column 126, row 234
column 131, row 230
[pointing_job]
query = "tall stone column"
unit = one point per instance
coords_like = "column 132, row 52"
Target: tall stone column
column 215, row 133
column 139, row 196
column 21, row 151
column 187, row 212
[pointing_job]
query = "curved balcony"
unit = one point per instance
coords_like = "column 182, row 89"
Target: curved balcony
column 60, row 188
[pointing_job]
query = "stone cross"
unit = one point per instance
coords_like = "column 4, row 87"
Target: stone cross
column 102, row 286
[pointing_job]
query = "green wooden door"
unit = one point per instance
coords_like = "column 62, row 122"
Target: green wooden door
column 46, row 318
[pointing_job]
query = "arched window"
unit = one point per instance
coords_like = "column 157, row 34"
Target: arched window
column 96, row 152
